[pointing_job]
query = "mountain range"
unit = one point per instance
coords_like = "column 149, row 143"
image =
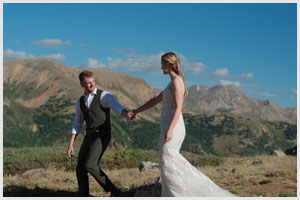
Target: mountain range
column 39, row 99
column 229, row 99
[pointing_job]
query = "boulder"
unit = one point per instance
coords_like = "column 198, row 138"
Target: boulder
column 257, row 162
column 278, row 153
column 70, row 180
column 33, row 171
column 147, row 165
column 292, row 151
column 149, row 189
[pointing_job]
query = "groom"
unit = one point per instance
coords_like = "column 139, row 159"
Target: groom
column 93, row 107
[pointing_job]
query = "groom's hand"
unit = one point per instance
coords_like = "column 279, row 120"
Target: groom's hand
column 126, row 114
column 70, row 152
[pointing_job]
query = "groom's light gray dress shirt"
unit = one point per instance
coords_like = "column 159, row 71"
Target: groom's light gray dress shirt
column 106, row 100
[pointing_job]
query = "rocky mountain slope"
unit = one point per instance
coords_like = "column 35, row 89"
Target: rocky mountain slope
column 221, row 99
column 32, row 82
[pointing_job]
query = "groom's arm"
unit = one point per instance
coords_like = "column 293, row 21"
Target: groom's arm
column 108, row 101
column 77, row 124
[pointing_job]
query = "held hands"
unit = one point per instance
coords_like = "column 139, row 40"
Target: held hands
column 131, row 114
column 127, row 114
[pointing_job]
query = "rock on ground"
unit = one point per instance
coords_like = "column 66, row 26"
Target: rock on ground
column 33, row 171
column 257, row 162
column 278, row 153
column 149, row 189
column 147, row 165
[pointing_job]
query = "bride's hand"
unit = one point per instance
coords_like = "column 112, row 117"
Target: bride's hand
column 169, row 135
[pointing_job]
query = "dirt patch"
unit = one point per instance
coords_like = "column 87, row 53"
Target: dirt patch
column 41, row 100
column 272, row 190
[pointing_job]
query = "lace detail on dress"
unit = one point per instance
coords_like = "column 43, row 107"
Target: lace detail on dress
column 179, row 177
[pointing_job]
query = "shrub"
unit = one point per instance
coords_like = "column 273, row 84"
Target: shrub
column 266, row 181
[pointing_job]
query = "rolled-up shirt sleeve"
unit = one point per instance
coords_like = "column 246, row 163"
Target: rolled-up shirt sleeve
column 108, row 101
column 77, row 124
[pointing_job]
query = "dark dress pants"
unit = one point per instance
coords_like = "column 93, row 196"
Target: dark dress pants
column 90, row 153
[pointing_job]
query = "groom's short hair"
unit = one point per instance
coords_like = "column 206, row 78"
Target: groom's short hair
column 84, row 74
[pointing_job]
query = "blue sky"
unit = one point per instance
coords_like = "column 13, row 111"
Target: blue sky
column 251, row 46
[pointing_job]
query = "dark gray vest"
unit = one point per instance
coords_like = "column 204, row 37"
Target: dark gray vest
column 97, row 117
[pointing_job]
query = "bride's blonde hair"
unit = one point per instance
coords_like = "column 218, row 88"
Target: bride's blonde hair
column 174, row 62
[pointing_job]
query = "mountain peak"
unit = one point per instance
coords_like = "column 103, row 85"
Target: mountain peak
column 219, row 99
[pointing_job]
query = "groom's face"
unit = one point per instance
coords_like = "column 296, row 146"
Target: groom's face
column 88, row 84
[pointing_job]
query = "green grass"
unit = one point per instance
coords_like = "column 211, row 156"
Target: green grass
column 266, row 181
column 258, row 194
column 287, row 194
column 17, row 161
column 234, row 192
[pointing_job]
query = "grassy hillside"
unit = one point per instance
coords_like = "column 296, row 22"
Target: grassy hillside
column 223, row 134
column 232, row 134
column 41, row 126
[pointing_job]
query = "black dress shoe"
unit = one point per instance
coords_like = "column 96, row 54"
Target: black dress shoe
column 120, row 194
column 117, row 193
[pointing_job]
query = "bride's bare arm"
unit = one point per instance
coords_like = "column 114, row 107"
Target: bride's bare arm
column 152, row 102
column 178, row 97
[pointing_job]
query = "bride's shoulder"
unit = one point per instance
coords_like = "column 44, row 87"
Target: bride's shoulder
column 177, row 84
column 177, row 81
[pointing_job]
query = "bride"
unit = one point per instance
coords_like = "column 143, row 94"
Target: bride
column 179, row 177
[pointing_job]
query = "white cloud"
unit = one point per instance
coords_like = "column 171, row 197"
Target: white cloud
column 248, row 75
column 265, row 94
column 260, row 94
column 137, row 63
column 288, row 93
column 93, row 63
column 149, row 64
column 55, row 43
column 221, row 72
column 58, row 56
column 68, row 42
column 10, row 54
column 192, row 68
column 293, row 91
column 234, row 83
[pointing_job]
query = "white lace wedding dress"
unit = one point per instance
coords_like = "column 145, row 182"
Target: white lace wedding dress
column 179, row 177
